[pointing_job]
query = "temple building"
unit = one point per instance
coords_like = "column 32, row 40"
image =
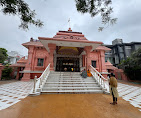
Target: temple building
column 66, row 50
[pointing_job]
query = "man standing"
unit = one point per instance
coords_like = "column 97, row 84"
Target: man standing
column 113, row 88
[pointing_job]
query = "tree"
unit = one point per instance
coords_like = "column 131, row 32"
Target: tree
column 95, row 7
column 20, row 8
column 3, row 55
column 132, row 65
column 27, row 16
column 136, row 56
column 6, row 72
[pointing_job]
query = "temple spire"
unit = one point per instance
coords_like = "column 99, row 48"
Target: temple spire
column 69, row 22
column 69, row 26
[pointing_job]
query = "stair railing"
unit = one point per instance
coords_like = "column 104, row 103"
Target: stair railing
column 39, row 82
column 99, row 78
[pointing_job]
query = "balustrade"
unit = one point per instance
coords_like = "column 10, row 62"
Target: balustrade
column 99, row 78
column 39, row 82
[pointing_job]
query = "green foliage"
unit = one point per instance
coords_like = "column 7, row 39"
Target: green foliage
column 136, row 56
column 132, row 65
column 6, row 72
column 3, row 55
column 20, row 8
column 95, row 7
column 27, row 16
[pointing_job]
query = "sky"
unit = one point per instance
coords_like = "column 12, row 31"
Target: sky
column 55, row 15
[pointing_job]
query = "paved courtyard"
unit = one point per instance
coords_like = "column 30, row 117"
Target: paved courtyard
column 130, row 93
column 12, row 93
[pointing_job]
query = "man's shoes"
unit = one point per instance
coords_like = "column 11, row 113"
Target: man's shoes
column 113, row 103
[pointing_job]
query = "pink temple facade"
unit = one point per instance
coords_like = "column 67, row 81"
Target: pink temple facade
column 67, row 49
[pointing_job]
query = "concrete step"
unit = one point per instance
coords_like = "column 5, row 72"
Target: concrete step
column 70, row 77
column 65, row 73
column 64, row 80
column 76, row 75
column 89, row 80
column 71, row 83
column 56, row 76
column 71, row 91
column 65, row 77
column 70, row 80
column 73, row 88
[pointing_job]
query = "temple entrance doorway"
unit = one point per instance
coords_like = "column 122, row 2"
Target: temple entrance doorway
column 66, row 64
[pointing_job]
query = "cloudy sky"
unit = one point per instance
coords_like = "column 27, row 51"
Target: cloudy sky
column 55, row 15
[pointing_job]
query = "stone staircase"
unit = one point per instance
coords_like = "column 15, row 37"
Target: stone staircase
column 70, row 82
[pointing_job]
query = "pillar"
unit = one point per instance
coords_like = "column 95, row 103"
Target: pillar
column 103, row 66
column 17, row 76
column 55, row 59
column 88, row 58
column 52, row 48
column 83, row 59
column 99, row 62
column 80, row 62
column 26, row 76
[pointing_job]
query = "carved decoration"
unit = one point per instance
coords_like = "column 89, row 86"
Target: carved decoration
column 71, row 37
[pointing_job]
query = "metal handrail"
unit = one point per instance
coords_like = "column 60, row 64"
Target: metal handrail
column 99, row 78
column 38, row 82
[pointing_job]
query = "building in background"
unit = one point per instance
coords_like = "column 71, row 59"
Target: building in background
column 120, row 51
column 13, row 57
column 17, row 67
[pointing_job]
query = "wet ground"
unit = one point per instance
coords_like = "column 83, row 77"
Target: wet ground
column 70, row 106
column 7, row 81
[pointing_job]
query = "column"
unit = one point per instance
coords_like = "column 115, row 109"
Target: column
column 80, row 62
column 33, row 59
column 99, row 62
column 103, row 66
column 17, row 76
column 83, row 59
column 55, row 61
column 52, row 48
column 26, row 76
column 88, row 58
